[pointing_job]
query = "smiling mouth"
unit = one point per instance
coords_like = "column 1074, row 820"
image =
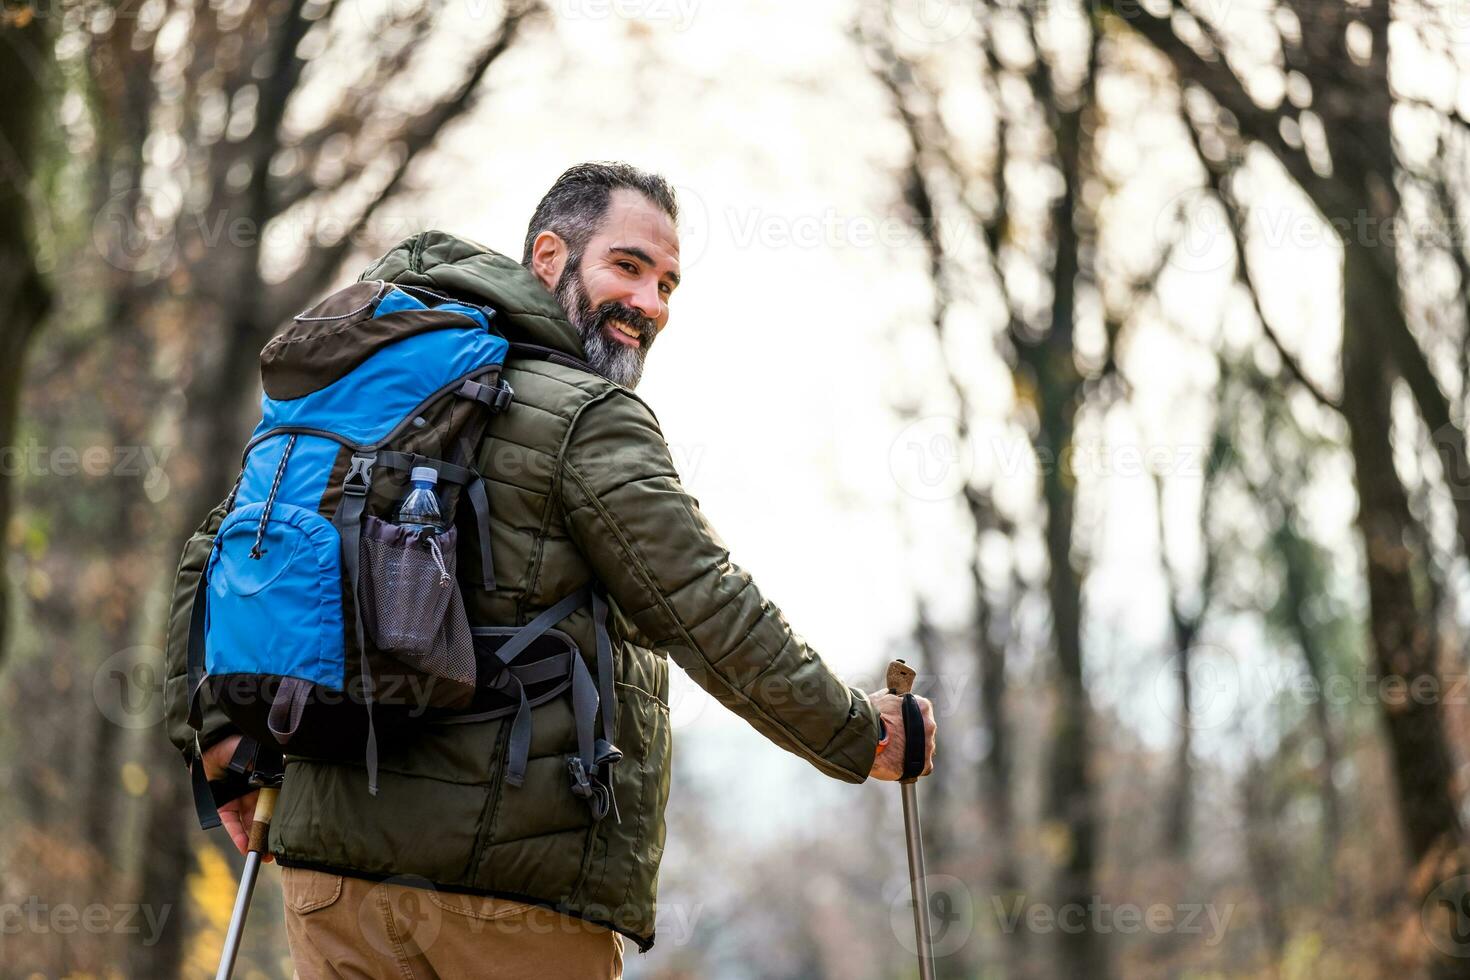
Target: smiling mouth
column 625, row 333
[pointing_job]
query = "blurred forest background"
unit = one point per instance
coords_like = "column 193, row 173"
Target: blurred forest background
column 1218, row 241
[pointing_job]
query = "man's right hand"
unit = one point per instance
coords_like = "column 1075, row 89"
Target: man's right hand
column 889, row 763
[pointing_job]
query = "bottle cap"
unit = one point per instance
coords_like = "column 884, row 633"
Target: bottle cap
column 424, row 474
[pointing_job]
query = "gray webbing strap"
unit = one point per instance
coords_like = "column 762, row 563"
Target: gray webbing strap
column 495, row 397
column 349, row 525
column 448, row 472
column 519, row 751
column 604, row 661
column 204, row 806
column 548, row 618
column 287, row 708
column 480, row 501
column 591, row 767
column 550, row 669
column 608, row 701
column 582, row 767
column 584, row 710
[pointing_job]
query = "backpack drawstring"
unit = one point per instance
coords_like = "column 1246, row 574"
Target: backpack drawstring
column 270, row 501
column 445, row 579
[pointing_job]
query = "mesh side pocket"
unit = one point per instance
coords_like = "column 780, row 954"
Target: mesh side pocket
column 411, row 603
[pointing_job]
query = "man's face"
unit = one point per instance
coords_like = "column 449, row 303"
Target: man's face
column 618, row 296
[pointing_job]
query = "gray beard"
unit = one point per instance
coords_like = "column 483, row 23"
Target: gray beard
column 614, row 361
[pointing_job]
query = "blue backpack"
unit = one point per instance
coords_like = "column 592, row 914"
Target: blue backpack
column 318, row 623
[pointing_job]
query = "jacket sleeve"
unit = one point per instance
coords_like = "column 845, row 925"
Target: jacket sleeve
column 662, row 562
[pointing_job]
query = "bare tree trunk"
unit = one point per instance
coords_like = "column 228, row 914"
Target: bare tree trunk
column 1179, row 808
column 1072, row 799
column 1297, row 580
column 1404, row 644
column 1404, row 639
column 168, row 842
column 995, row 768
column 1263, row 858
column 25, row 59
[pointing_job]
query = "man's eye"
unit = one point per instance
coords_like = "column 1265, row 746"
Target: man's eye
column 629, row 267
column 666, row 288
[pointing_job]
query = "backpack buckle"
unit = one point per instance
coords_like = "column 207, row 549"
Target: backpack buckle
column 581, row 782
column 607, row 755
column 598, row 797
column 496, row 398
column 359, row 476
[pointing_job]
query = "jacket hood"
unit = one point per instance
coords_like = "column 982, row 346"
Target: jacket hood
column 526, row 311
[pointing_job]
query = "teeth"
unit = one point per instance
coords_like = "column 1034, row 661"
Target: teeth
column 626, row 330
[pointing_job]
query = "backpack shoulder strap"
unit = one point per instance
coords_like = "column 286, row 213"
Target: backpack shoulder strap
column 539, row 352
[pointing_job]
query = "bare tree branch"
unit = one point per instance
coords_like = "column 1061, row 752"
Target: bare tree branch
column 1216, row 174
column 1215, row 77
column 417, row 135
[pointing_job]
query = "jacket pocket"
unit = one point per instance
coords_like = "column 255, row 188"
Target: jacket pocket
column 306, row 891
column 484, row 908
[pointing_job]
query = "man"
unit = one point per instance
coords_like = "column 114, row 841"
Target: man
column 448, row 872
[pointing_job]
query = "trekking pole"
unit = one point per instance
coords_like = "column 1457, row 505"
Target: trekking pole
column 265, row 804
column 901, row 681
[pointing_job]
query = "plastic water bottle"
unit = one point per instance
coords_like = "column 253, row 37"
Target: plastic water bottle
column 420, row 509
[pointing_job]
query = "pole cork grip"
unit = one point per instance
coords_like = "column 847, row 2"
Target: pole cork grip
column 900, row 677
column 265, row 805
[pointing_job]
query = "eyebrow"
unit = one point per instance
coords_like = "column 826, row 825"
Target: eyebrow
column 643, row 256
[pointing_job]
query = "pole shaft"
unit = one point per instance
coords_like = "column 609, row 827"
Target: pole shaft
column 918, row 881
column 237, row 918
column 265, row 804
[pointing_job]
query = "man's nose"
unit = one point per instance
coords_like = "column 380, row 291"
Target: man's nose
column 646, row 300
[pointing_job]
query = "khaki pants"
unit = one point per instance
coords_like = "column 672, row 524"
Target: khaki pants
column 350, row 927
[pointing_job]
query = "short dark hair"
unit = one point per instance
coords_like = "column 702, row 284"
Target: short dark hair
column 577, row 202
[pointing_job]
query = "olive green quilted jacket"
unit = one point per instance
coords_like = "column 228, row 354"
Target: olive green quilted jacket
column 582, row 488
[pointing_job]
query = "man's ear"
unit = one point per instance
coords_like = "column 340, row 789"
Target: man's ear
column 548, row 258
